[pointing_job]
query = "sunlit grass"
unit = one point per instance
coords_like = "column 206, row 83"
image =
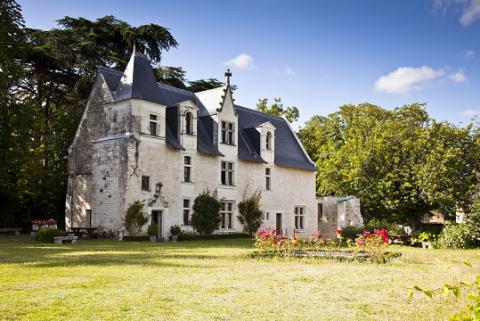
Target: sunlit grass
column 215, row 280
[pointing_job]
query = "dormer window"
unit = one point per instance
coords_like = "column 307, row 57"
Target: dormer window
column 189, row 123
column 153, row 125
column 227, row 133
column 268, row 141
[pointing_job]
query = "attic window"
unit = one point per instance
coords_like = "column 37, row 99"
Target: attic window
column 153, row 125
column 227, row 133
column 189, row 123
column 268, row 141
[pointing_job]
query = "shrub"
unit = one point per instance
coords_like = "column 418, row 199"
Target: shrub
column 47, row 235
column 152, row 229
column 375, row 224
column 134, row 218
column 206, row 213
column 189, row 236
column 136, row 238
column 459, row 236
column 351, row 232
column 175, row 230
column 250, row 213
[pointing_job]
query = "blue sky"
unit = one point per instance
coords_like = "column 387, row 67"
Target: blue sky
column 316, row 55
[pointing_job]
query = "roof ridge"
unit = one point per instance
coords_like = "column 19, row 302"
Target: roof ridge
column 258, row 112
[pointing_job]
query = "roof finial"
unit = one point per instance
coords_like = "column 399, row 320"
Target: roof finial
column 228, row 74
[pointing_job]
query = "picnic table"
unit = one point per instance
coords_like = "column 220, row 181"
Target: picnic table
column 78, row 230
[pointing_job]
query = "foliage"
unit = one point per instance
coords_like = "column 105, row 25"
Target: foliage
column 190, row 236
column 351, row 232
column 250, row 214
column 206, row 213
column 376, row 224
column 204, row 84
column 374, row 244
column 459, row 236
column 424, row 237
column 471, row 311
column 152, row 229
column 47, row 235
column 277, row 109
column 135, row 218
column 175, row 230
column 473, row 214
column 139, row 238
column 400, row 163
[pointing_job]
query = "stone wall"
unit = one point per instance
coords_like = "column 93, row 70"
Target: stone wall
column 336, row 213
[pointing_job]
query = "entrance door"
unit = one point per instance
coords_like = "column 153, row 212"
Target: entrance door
column 157, row 218
column 278, row 223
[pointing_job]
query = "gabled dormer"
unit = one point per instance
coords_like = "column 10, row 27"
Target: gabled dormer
column 187, row 124
column 267, row 141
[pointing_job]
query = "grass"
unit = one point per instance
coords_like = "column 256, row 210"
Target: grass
column 214, row 280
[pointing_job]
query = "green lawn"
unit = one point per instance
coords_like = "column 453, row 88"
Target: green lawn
column 214, row 280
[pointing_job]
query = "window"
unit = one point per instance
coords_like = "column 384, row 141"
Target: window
column 115, row 114
column 267, row 179
column 227, row 133
column 153, row 125
column 268, row 141
column 189, row 123
column 88, row 213
column 226, row 215
column 299, row 219
column 267, row 216
column 187, row 169
column 145, row 183
column 186, row 212
column 227, row 173
column 320, row 211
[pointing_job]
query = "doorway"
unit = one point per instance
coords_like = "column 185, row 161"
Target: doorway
column 157, row 218
column 278, row 223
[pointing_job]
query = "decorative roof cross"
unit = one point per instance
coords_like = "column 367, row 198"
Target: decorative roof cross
column 228, row 74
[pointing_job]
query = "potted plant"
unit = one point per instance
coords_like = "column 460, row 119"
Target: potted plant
column 152, row 232
column 175, row 231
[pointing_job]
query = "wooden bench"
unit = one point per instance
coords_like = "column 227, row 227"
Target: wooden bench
column 15, row 230
column 72, row 239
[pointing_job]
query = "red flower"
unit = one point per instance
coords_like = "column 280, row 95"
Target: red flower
column 339, row 231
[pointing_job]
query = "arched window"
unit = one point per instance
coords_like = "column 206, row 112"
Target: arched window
column 189, row 123
column 268, row 141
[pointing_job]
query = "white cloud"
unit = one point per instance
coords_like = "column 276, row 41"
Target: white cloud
column 458, row 77
column 470, row 9
column 470, row 54
column 405, row 79
column 285, row 71
column 242, row 61
column 470, row 112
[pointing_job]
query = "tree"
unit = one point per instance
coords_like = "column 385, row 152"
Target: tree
column 206, row 213
column 250, row 214
column 172, row 76
column 400, row 163
column 276, row 109
column 135, row 218
column 204, row 84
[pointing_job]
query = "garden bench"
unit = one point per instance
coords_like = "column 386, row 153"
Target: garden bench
column 15, row 230
column 72, row 239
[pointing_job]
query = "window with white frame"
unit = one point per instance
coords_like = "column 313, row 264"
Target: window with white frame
column 186, row 212
column 268, row 141
column 227, row 173
column 187, row 169
column 227, row 133
column 153, row 125
column 189, row 123
column 226, row 214
column 299, row 217
column 268, row 179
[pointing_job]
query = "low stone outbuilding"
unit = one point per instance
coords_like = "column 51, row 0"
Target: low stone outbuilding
column 336, row 213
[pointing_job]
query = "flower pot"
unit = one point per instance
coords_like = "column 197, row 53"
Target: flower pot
column 427, row 245
column 174, row 238
column 153, row 238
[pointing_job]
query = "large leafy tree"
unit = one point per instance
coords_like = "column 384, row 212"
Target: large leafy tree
column 291, row 113
column 400, row 163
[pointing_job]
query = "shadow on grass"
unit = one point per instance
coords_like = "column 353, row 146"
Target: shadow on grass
column 186, row 254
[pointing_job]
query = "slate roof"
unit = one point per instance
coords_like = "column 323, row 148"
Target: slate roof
column 138, row 82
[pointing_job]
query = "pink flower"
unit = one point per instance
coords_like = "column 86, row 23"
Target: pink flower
column 339, row 231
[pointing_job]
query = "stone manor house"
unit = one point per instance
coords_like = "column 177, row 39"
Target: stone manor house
column 142, row 140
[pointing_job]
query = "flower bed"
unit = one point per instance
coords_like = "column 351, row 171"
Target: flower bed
column 38, row 224
column 367, row 247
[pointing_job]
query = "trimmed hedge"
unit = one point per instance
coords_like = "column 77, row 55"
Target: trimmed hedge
column 136, row 238
column 195, row 237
